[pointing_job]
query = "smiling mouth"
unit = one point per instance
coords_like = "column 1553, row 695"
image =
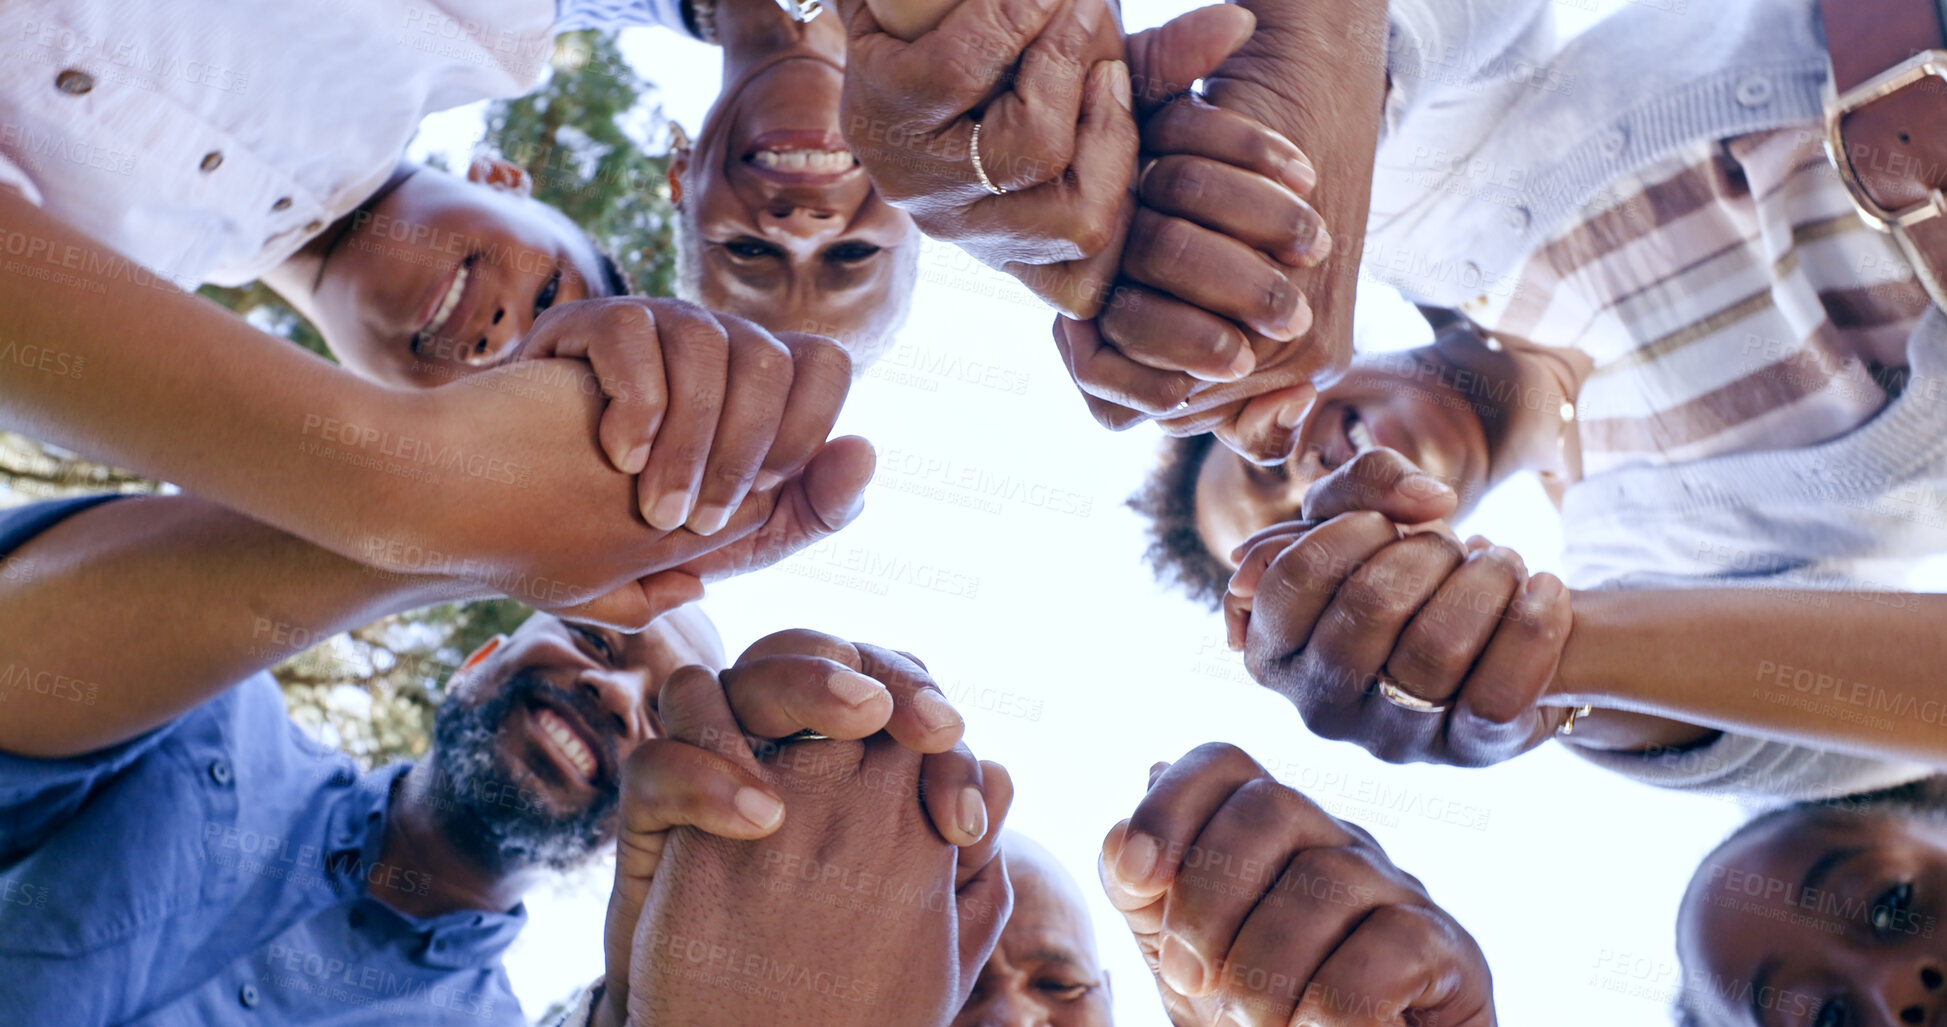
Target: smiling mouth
column 1357, row 433
column 812, row 162
column 565, row 742
column 449, row 302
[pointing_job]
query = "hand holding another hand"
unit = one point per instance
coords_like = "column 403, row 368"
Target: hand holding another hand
column 723, row 424
column 1254, row 907
column 848, row 881
column 1330, row 609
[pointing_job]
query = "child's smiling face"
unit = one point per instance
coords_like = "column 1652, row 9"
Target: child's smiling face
column 443, row 276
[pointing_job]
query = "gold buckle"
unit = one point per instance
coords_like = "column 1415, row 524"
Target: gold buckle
column 1922, row 65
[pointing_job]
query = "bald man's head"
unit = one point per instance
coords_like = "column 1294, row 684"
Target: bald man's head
column 1045, row 972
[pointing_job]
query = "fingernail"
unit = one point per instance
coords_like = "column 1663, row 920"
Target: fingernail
column 671, row 511
column 1301, row 319
column 1138, row 859
column 1299, row 174
column 936, row 713
column 1181, row 966
column 970, row 814
column 637, row 459
column 1243, row 363
column 853, row 688
column 758, row 808
column 709, row 519
column 1292, row 414
column 1119, row 82
column 765, row 481
column 1319, row 249
column 1424, row 486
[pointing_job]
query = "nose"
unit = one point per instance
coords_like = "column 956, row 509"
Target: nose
column 502, row 329
column 622, row 694
column 1910, row 990
column 808, row 223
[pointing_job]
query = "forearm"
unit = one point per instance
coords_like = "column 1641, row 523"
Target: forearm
column 1840, row 671
column 1316, row 72
column 128, row 614
column 132, row 371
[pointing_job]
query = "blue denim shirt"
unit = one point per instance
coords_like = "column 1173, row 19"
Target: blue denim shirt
column 218, row 870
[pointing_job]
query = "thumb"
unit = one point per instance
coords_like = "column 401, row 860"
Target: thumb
column 831, row 490
column 1383, row 481
column 1165, row 61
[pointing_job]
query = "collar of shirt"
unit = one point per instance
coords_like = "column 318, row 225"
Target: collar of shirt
column 356, row 836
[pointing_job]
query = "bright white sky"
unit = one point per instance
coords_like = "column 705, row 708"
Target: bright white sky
column 1077, row 671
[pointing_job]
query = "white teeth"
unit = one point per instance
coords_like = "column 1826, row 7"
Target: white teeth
column 565, row 740
column 820, row 161
column 1360, row 435
column 449, row 301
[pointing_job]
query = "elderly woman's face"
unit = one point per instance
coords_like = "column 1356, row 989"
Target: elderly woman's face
column 787, row 229
column 1821, row 919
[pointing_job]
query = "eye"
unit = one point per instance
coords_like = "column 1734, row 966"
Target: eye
column 850, row 252
column 1833, row 1012
column 1893, row 909
column 596, row 641
column 1065, row 991
column 549, row 290
column 746, row 248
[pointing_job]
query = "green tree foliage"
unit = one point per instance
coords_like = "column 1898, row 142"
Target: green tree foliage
column 372, row 691
column 582, row 138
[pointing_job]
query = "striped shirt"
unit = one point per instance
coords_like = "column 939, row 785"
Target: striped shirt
column 1730, row 300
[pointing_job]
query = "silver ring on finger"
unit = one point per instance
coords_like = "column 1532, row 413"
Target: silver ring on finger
column 980, row 170
column 804, row 735
column 1405, row 700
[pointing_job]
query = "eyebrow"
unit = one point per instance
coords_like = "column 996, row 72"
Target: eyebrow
column 1822, row 867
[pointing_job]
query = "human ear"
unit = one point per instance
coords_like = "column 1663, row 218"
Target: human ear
column 497, row 172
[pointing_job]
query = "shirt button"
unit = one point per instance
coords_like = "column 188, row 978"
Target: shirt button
column 73, row 82
column 283, row 203
column 1613, row 142
column 211, row 161
column 314, row 226
column 1519, row 219
column 220, row 771
column 1754, row 92
column 248, row 996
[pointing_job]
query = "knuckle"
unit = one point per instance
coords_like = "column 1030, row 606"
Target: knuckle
column 1165, row 249
column 1277, row 297
column 1178, row 182
column 1428, row 654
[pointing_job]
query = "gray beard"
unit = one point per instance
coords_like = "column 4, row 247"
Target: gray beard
column 481, row 803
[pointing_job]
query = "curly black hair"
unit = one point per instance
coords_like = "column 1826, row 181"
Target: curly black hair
column 1168, row 499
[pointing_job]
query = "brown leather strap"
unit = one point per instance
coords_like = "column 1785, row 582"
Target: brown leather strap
column 1866, row 37
column 1897, row 146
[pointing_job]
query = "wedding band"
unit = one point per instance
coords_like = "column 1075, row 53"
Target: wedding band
column 804, row 735
column 1568, row 726
column 973, row 150
column 1406, row 700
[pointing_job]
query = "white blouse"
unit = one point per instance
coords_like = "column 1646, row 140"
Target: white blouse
column 208, row 141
